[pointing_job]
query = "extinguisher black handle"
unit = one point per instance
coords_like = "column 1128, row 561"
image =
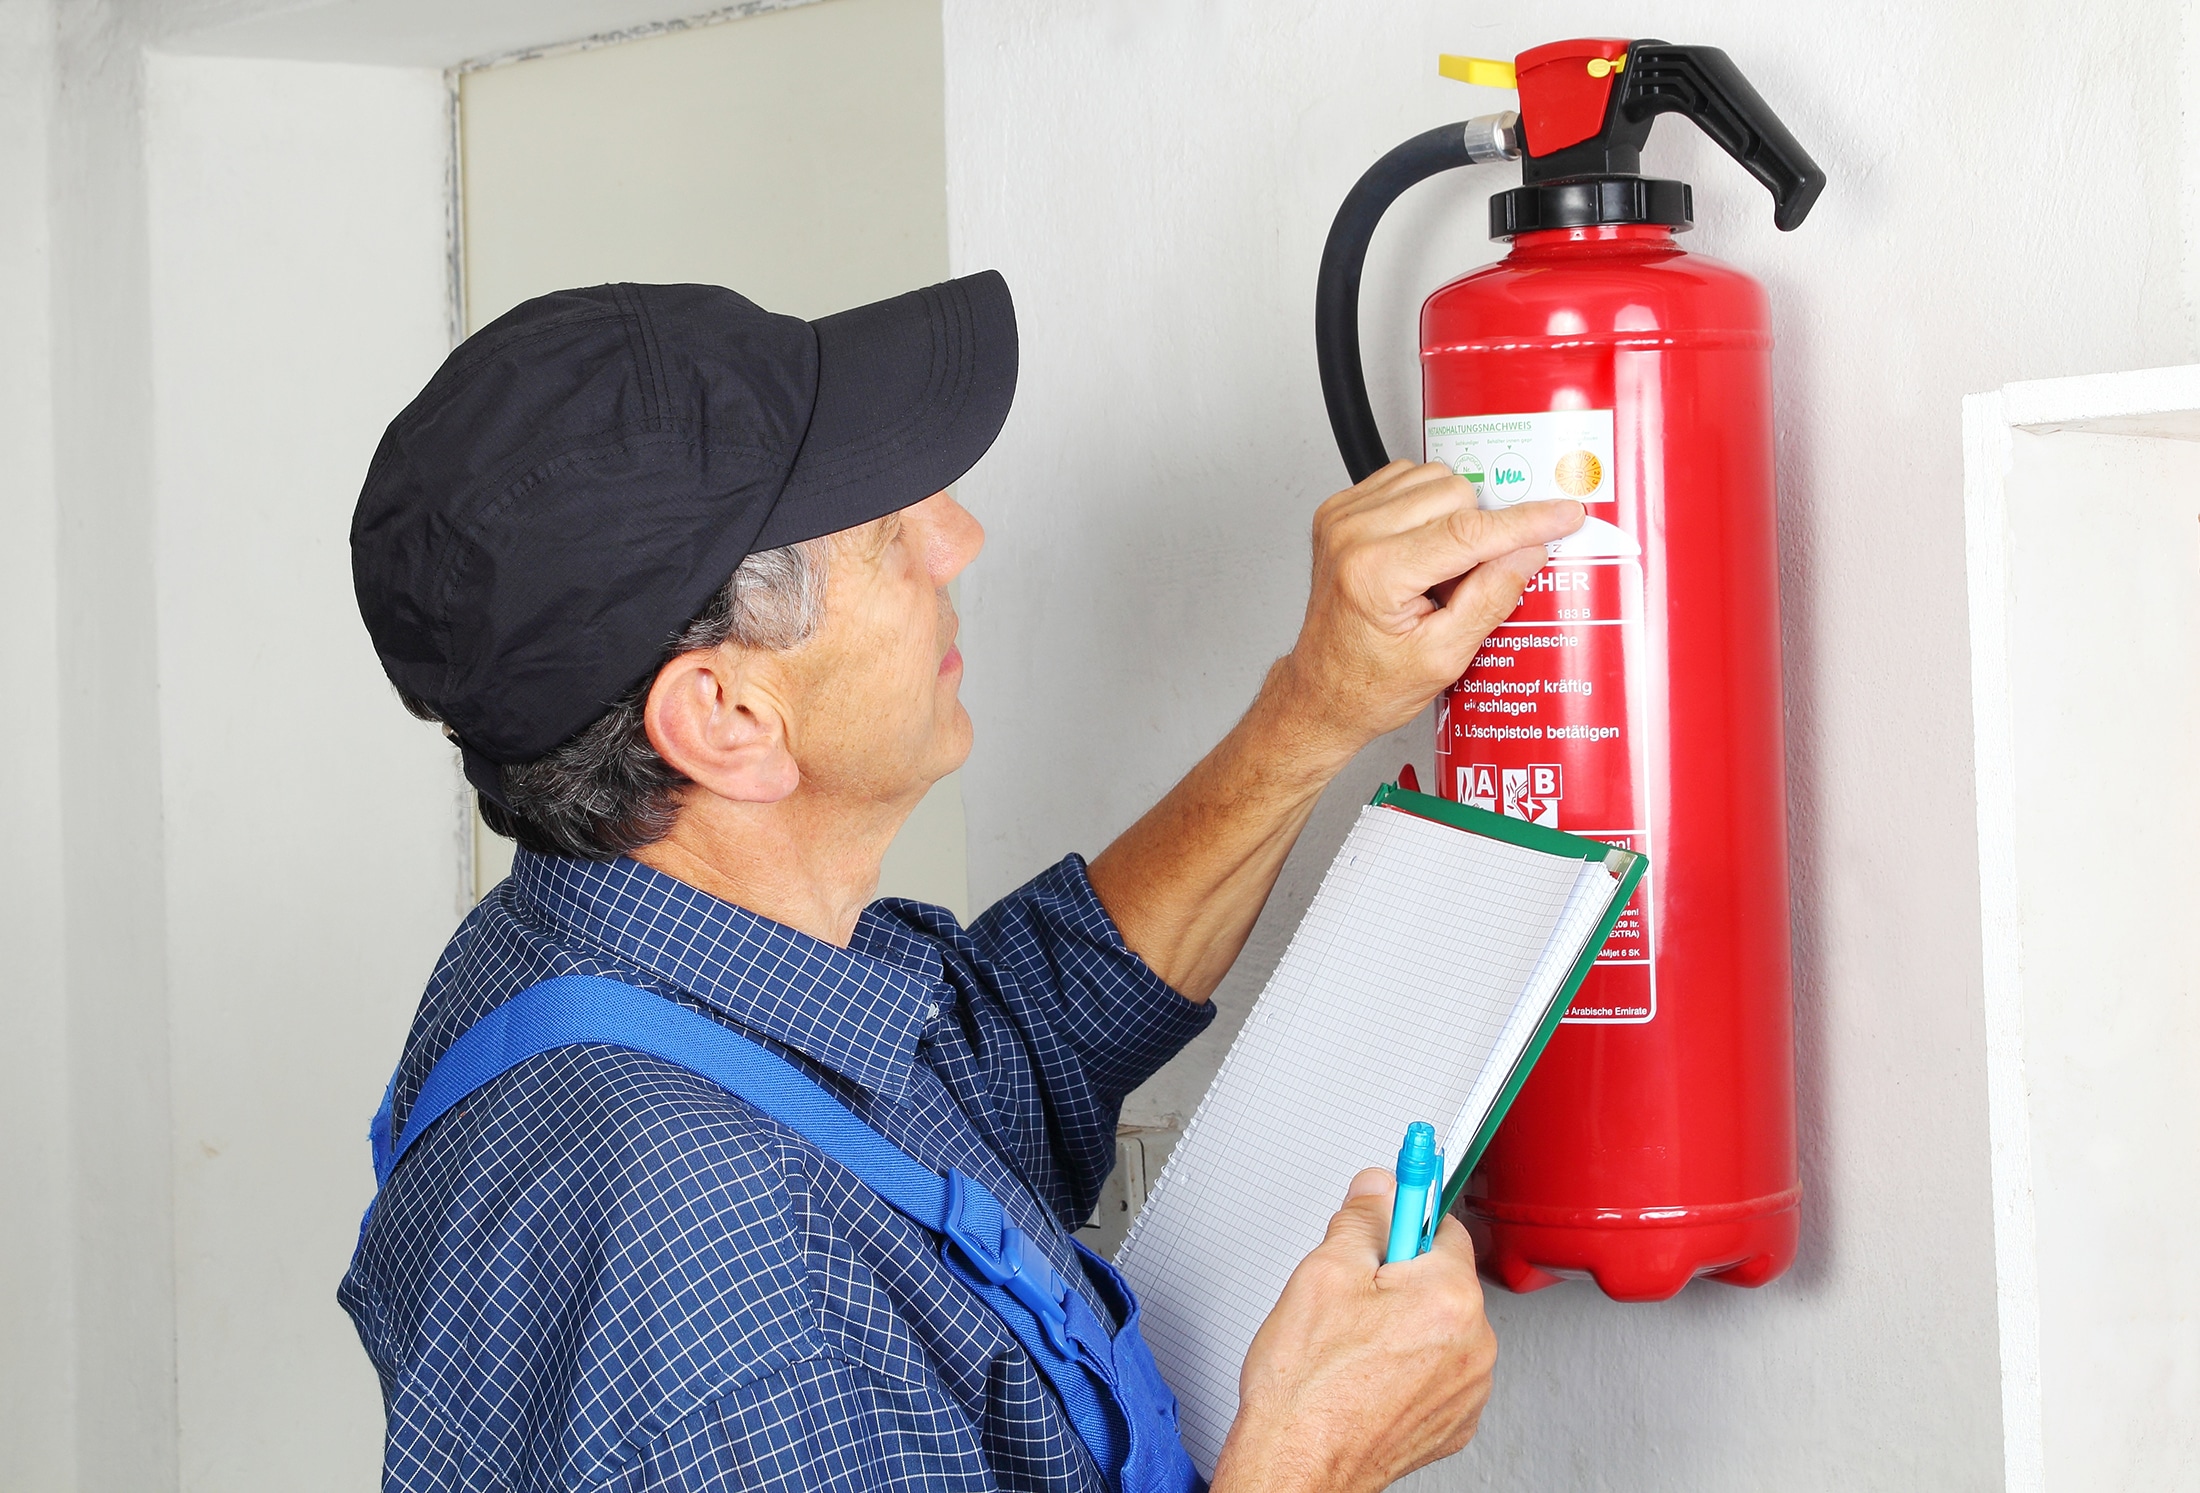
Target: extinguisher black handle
column 1703, row 84
column 1337, row 288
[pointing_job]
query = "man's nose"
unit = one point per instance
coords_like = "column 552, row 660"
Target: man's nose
column 953, row 536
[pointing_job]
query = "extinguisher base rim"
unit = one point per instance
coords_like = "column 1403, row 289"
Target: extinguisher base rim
column 1606, row 1219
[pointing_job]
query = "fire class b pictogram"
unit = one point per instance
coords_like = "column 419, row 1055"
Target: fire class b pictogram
column 1531, row 792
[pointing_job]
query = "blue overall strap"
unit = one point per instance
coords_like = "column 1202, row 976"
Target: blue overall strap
column 1008, row 1271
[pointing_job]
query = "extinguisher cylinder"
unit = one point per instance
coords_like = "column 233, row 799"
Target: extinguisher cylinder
column 1633, row 696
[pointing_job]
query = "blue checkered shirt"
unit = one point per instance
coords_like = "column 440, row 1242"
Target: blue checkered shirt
column 602, row 1271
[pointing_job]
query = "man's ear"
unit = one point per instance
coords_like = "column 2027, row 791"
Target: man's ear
column 714, row 718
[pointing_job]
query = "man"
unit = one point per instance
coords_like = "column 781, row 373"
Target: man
column 601, row 1268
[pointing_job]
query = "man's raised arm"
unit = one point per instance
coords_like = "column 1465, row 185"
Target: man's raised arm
column 1409, row 577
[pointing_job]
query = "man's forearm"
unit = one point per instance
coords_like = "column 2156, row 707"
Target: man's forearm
column 1186, row 882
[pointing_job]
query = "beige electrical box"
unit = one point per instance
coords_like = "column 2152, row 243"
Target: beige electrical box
column 1140, row 1153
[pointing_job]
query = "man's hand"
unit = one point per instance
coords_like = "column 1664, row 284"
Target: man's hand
column 1185, row 883
column 1364, row 1371
column 1377, row 645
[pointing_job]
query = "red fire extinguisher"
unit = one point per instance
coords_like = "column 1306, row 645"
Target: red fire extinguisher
column 1634, row 693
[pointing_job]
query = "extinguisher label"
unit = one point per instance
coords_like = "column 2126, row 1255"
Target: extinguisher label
column 1547, row 725
column 1538, row 454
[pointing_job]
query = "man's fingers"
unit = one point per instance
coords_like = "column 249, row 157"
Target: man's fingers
column 1453, row 543
column 1485, row 533
column 1361, row 1228
column 1401, row 499
column 1452, row 1238
column 1484, row 597
column 1371, row 1180
column 1384, row 484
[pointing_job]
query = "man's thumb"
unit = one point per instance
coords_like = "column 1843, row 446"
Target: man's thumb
column 1362, row 1225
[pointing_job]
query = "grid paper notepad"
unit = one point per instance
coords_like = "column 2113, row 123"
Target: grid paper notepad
column 1431, row 961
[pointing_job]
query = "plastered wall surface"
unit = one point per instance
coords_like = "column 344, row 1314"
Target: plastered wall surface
column 2012, row 197
column 101, row 1336
column 35, row 1230
column 1156, row 182
column 310, row 879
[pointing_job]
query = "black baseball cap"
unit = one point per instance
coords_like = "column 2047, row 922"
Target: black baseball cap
column 583, row 474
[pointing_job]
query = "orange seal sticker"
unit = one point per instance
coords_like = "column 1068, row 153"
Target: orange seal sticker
column 1578, row 473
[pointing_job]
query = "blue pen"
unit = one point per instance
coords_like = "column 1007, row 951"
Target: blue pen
column 1420, row 1185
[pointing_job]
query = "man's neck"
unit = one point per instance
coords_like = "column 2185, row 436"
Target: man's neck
column 807, row 862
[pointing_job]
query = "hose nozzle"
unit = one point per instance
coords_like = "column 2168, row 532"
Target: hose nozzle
column 1493, row 137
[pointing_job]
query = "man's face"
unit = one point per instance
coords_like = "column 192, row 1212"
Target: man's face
column 873, row 699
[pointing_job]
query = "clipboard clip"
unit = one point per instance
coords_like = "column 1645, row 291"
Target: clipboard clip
column 1435, row 1208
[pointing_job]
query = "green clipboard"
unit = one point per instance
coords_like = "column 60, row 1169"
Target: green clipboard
column 1627, row 866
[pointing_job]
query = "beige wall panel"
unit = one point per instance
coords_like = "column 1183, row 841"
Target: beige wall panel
column 797, row 156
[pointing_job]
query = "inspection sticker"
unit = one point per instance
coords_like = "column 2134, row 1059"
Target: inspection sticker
column 1541, row 454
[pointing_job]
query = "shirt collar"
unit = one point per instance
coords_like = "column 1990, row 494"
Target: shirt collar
column 857, row 1013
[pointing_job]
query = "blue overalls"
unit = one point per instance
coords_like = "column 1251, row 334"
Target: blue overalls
column 1109, row 1387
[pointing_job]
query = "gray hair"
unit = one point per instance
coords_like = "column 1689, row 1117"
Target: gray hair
column 606, row 792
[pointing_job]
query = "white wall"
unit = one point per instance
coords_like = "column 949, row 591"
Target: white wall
column 110, row 1357
column 36, row 1232
column 2010, row 196
column 2009, row 200
column 298, row 278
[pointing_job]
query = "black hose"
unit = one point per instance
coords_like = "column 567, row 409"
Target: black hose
column 1337, row 290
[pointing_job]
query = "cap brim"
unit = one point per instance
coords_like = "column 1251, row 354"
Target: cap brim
column 910, row 393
